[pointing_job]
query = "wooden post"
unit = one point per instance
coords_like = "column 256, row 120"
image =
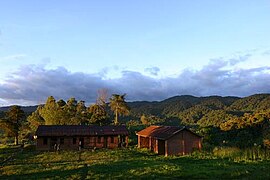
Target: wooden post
column 200, row 145
column 156, row 146
column 126, row 141
column 183, row 144
column 150, row 142
column 139, row 141
column 166, row 148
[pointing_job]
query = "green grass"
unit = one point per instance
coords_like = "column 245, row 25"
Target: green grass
column 124, row 164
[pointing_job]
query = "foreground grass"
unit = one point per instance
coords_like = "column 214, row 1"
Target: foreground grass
column 123, row 164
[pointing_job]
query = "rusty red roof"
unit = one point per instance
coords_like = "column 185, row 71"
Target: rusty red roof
column 80, row 130
column 162, row 132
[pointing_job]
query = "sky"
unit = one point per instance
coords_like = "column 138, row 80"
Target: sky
column 148, row 49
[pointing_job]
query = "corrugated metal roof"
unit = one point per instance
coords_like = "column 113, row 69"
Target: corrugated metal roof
column 162, row 132
column 80, row 130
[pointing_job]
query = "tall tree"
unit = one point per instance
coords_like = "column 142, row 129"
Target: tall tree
column 81, row 116
column 34, row 120
column 98, row 110
column 49, row 112
column 119, row 106
column 98, row 114
column 70, row 110
column 13, row 122
column 102, row 97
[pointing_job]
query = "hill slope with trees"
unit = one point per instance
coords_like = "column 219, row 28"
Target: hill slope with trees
column 236, row 121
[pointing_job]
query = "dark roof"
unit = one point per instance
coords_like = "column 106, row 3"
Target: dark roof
column 80, row 130
column 162, row 132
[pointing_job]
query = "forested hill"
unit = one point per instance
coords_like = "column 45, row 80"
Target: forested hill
column 203, row 111
column 26, row 109
column 175, row 105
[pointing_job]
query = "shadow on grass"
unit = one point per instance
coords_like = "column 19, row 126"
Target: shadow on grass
column 133, row 164
column 79, row 173
column 184, row 167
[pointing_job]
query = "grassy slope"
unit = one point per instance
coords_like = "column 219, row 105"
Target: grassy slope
column 122, row 164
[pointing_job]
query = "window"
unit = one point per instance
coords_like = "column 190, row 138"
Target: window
column 61, row 140
column 112, row 139
column 74, row 140
column 45, row 141
column 99, row 139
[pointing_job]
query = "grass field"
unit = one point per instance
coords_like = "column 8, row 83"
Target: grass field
column 122, row 164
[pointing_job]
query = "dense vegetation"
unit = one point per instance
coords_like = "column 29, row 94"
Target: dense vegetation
column 14, row 122
column 223, row 121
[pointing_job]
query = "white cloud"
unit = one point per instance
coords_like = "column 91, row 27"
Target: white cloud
column 152, row 71
column 32, row 84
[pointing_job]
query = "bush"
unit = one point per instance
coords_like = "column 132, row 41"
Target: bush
column 226, row 152
column 249, row 154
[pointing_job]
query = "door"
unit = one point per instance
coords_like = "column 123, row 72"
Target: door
column 53, row 143
column 81, row 142
column 105, row 141
column 161, row 147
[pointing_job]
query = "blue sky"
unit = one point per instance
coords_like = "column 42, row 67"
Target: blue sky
column 142, row 44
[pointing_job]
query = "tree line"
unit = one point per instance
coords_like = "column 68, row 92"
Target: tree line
column 222, row 121
column 70, row 112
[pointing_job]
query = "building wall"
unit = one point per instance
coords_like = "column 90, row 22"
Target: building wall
column 159, row 146
column 41, row 146
column 175, row 144
column 143, row 142
column 183, row 143
column 72, row 143
column 53, row 142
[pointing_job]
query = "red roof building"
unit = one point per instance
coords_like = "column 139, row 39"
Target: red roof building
column 63, row 137
column 169, row 140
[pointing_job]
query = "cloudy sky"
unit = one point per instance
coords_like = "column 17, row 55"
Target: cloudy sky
column 149, row 49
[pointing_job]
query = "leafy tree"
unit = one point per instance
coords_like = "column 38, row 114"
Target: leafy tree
column 81, row 115
column 144, row 120
column 13, row 122
column 99, row 115
column 98, row 110
column 71, row 109
column 35, row 119
column 119, row 106
column 102, row 97
column 249, row 129
column 61, row 103
column 214, row 118
column 49, row 112
column 151, row 120
column 59, row 113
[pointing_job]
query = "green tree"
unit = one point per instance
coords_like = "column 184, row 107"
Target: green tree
column 144, row 120
column 81, row 116
column 119, row 106
column 13, row 122
column 35, row 119
column 99, row 114
column 98, row 111
column 49, row 112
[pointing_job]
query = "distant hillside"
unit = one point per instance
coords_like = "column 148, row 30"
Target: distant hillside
column 174, row 105
column 27, row 109
column 204, row 111
column 252, row 103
